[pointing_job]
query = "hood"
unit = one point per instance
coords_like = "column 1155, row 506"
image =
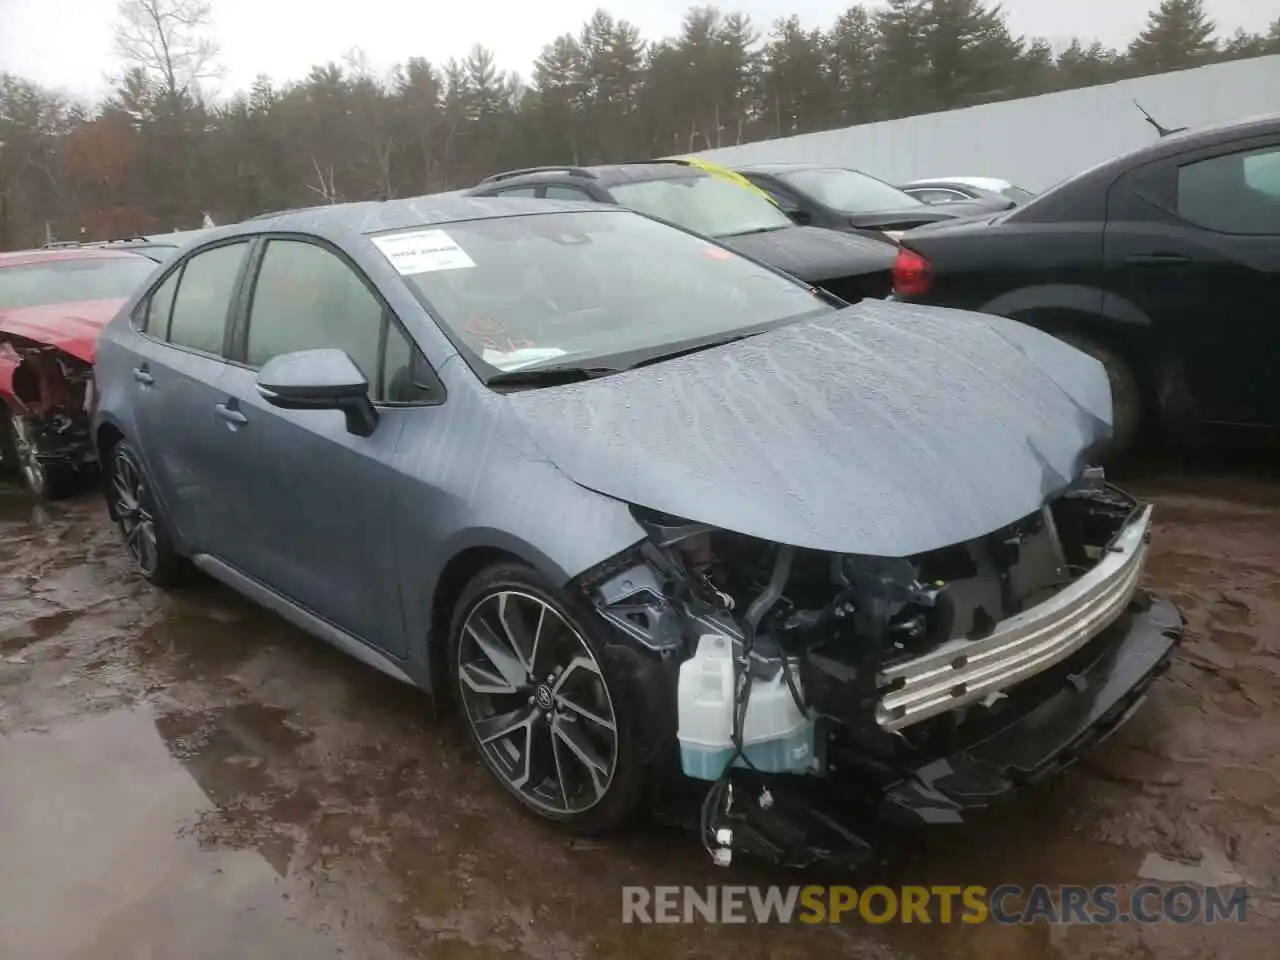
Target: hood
column 883, row 429
column 815, row 255
column 72, row 327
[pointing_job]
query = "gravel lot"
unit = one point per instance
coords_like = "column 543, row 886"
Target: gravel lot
column 189, row 777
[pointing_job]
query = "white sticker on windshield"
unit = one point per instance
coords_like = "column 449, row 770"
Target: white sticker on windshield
column 423, row 251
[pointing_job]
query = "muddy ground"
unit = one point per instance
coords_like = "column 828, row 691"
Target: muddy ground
column 189, row 777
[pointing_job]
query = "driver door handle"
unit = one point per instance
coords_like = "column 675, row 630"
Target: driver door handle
column 141, row 375
column 233, row 417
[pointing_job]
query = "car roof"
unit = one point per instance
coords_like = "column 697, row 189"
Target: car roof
column 376, row 216
column 1207, row 136
column 1176, row 143
column 783, row 166
column 19, row 258
column 1087, row 189
column 606, row 174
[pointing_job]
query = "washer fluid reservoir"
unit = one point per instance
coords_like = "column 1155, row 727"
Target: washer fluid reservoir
column 777, row 736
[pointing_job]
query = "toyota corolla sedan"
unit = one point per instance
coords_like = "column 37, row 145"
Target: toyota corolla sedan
column 670, row 528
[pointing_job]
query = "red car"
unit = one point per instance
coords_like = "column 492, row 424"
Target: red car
column 53, row 305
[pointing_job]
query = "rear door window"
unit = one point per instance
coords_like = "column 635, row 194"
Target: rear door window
column 1233, row 193
column 203, row 299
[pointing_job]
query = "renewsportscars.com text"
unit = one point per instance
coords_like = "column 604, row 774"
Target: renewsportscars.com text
column 1006, row 904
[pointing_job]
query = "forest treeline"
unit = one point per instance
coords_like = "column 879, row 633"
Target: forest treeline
column 158, row 153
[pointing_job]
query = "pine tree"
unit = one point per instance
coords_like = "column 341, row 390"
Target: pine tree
column 1178, row 35
column 972, row 58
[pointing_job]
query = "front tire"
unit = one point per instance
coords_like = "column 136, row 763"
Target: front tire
column 545, row 708
column 144, row 529
column 18, row 454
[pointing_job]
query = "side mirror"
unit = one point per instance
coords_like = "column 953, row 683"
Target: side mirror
column 801, row 217
column 319, row 380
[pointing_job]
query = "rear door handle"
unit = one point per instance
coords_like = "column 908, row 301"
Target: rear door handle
column 1157, row 259
column 140, row 374
column 233, row 417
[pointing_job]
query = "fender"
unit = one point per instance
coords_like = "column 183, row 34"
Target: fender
column 419, row 632
column 1076, row 298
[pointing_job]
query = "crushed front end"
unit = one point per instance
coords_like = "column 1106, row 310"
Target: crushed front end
column 47, row 393
column 803, row 697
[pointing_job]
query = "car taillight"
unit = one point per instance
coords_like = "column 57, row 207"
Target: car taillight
column 912, row 274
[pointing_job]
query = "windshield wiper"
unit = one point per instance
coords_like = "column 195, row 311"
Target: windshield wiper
column 697, row 348
column 549, row 376
column 564, row 373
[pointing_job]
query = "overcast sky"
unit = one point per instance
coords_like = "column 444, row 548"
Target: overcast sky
column 67, row 43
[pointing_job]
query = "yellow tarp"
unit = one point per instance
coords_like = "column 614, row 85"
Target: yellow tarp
column 716, row 170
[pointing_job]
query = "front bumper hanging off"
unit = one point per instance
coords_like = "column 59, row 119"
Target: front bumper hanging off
column 1028, row 700
column 963, row 672
column 1087, row 705
column 1081, row 662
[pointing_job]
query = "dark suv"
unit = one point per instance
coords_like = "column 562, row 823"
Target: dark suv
column 850, row 265
column 1163, row 263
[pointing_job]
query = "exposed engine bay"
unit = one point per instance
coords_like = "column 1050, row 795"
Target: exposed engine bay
column 805, row 682
column 49, row 399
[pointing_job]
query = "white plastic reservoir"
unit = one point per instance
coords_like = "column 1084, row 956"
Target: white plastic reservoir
column 777, row 736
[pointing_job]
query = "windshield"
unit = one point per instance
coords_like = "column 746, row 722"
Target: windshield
column 1017, row 194
column 704, row 204
column 847, row 191
column 71, row 281
column 554, row 288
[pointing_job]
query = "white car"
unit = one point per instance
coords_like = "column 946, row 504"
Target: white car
column 956, row 189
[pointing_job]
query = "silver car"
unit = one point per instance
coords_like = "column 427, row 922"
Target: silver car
column 672, row 529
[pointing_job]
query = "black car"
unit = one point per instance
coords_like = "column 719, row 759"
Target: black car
column 1163, row 263
column 841, row 199
column 852, row 266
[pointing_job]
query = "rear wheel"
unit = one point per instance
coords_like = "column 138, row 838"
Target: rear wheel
column 1127, row 407
column 546, row 710
column 132, row 506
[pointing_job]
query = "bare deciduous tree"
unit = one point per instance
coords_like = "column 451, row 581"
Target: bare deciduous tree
column 166, row 39
column 324, row 186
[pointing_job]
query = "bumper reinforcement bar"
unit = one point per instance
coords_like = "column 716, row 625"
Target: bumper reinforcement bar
column 962, row 672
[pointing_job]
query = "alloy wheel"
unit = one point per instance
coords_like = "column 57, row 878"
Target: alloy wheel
column 537, row 703
column 24, row 448
column 133, row 517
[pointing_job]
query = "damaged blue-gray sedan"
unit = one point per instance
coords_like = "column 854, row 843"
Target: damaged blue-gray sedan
column 671, row 529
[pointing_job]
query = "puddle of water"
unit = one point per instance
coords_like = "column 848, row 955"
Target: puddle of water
column 93, row 863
